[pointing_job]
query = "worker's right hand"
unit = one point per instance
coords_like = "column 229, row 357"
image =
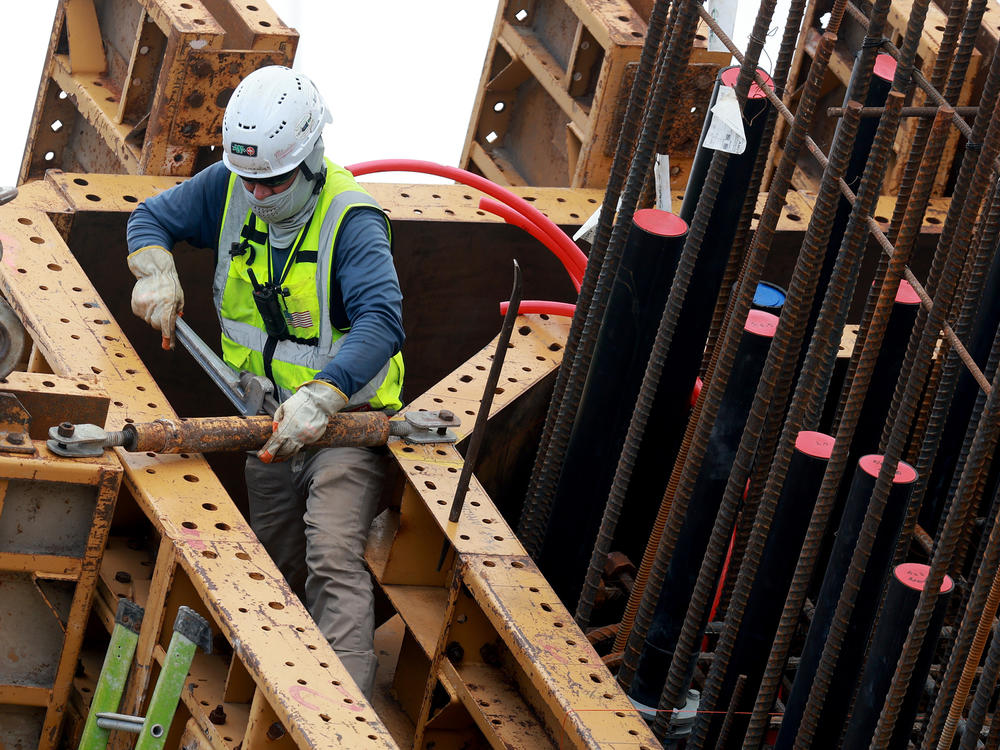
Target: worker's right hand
column 157, row 297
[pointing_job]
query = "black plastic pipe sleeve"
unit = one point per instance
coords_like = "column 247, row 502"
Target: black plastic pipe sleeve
column 682, row 572
column 774, row 576
column 671, row 403
column 624, row 341
column 852, row 652
column 905, row 585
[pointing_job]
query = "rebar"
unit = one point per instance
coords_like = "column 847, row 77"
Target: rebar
column 942, row 557
column 538, row 504
column 642, row 616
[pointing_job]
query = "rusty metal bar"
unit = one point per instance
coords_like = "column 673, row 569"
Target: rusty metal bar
column 779, row 369
column 984, row 693
column 928, row 112
column 548, row 461
column 948, row 539
column 665, row 334
column 874, row 229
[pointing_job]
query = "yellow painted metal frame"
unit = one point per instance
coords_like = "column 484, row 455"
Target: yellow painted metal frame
column 104, row 476
column 209, row 559
column 148, row 125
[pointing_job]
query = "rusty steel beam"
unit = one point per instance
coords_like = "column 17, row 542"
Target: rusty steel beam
column 140, row 87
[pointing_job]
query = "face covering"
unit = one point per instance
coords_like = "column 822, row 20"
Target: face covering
column 287, row 212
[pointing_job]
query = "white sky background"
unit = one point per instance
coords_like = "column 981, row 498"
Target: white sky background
column 399, row 76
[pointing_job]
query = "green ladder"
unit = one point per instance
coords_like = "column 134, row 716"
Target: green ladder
column 190, row 631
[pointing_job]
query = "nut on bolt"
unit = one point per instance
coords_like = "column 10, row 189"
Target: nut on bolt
column 217, row 715
column 66, row 429
column 454, row 652
column 275, row 731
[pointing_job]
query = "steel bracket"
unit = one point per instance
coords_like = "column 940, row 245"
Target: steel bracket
column 77, row 441
column 424, row 427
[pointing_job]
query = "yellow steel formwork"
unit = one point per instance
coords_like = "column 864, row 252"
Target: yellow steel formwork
column 527, row 676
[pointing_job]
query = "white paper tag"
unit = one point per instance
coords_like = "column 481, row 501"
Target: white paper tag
column 661, row 174
column 589, row 227
column 726, row 131
column 724, row 13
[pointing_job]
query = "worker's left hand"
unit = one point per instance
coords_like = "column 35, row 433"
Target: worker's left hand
column 302, row 419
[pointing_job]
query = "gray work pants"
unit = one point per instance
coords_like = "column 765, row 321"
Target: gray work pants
column 312, row 515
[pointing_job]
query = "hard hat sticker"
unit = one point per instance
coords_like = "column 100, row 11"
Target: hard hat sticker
column 244, row 149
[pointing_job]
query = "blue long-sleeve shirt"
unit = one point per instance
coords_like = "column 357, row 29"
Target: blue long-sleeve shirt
column 363, row 268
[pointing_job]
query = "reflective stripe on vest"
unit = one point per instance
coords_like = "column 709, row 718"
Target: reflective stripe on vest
column 243, row 335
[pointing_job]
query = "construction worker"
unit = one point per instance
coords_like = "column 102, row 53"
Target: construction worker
column 306, row 295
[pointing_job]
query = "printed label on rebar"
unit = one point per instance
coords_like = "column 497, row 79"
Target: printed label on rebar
column 726, row 131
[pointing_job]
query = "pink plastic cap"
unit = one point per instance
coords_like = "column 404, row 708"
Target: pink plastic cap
column 872, row 464
column 731, row 75
column 906, row 295
column 915, row 576
column 761, row 323
column 662, row 223
column 815, row 444
column 885, row 66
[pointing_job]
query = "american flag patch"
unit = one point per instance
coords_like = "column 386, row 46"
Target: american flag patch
column 299, row 319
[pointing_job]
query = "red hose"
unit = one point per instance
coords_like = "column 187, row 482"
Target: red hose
column 541, row 307
column 544, row 223
column 574, row 266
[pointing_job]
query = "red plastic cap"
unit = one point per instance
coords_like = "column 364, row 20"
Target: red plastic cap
column 914, row 575
column 696, row 391
column 885, row 66
column 731, row 75
column 761, row 323
column 906, row 295
column 872, row 464
column 662, row 223
column 815, row 444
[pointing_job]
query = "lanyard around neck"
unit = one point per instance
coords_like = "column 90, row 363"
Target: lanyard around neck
column 300, row 238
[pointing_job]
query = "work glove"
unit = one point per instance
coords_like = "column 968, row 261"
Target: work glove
column 157, row 297
column 302, row 419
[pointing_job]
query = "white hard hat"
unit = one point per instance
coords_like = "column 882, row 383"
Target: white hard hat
column 272, row 122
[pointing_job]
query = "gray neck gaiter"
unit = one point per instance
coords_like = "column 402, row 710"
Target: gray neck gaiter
column 287, row 212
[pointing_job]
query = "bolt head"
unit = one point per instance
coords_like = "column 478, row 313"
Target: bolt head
column 15, row 438
column 446, row 416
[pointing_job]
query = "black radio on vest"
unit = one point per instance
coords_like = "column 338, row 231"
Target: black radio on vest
column 267, row 298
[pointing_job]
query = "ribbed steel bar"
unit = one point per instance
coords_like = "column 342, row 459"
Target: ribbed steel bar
column 984, row 624
column 923, row 112
column 762, row 524
column 943, row 400
column 697, row 438
column 874, row 229
column 699, row 224
column 942, row 64
column 807, row 405
column 974, row 600
column 967, row 169
column 782, row 68
column 874, row 173
column 669, row 72
column 946, row 544
column 778, row 368
column 545, row 472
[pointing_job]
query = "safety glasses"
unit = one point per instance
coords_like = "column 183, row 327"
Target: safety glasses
column 271, row 182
